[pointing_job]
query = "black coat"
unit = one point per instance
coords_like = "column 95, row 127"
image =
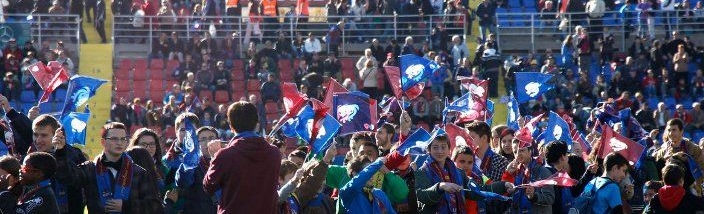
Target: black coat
column 42, row 201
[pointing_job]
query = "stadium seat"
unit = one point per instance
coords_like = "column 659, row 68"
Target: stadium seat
column 28, row 96
column 237, row 74
column 238, row 85
column 140, row 64
column 253, row 85
column 157, row 96
column 121, row 74
column 125, row 64
column 238, row 65
column 140, row 75
column 514, row 4
column 698, row 135
column 27, row 106
column 236, row 95
column 140, row 88
column 653, row 103
column 157, row 76
column 670, row 102
column 157, row 64
column 171, row 65
column 221, row 96
column 122, row 85
column 271, row 107
column 46, row 107
column 170, row 84
column 156, row 86
column 257, row 93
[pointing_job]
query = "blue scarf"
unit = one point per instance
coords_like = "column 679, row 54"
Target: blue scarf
column 246, row 134
column 123, row 181
column 29, row 194
column 451, row 203
column 524, row 205
column 61, row 195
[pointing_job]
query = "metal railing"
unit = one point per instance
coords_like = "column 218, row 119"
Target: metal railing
column 42, row 28
column 546, row 27
column 136, row 35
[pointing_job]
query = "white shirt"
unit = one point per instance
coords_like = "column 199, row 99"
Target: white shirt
column 312, row 47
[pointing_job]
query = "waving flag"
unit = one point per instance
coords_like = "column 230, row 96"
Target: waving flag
column 489, row 114
column 74, row 125
column 293, row 100
column 513, row 113
column 694, row 168
column 333, row 87
column 485, row 194
column 605, row 113
column 326, row 128
column 80, row 89
column 479, row 88
column 631, row 128
column 49, row 77
column 557, row 129
column 304, row 123
column 558, row 179
column 614, row 142
column 191, row 147
column 415, row 69
column 352, row 110
column 393, row 73
column 288, row 128
column 530, row 85
column 458, row 136
column 416, row 142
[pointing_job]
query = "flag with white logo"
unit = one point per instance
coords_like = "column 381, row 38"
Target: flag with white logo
column 614, row 142
column 530, row 85
column 352, row 111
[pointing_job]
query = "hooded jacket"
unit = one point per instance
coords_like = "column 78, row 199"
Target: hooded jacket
column 674, row 199
column 253, row 182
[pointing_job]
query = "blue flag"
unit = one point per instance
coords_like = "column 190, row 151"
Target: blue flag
column 630, row 127
column 485, row 194
column 3, row 149
column 415, row 69
column 303, row 119
column 351, row 109
column 86, row 110
column 694, row 168
column 489, row 112
column 557, row 129
column 191, row 147
column 530, row 85
column 328, row 128
column 513, row 113
column 288, row 129
column 75, row 125
column 462, row 104
column 416, row 141
column 80, row 89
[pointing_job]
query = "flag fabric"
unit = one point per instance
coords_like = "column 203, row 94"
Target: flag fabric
column 393, row 74
column 191, row 147
column 3, row 149
column 530, row 85
column 293, row 100
column 458, row 136
column 513, row 113
column 74, row 125
column 304, row 123
column 80, row 89
column 557, row 129
column 86, row 109
column 694, row 168
column 320, row 110
column 48, row 77
column 479, row 88
column 489, row 114
column 614, row 142
column 558, row 179
column 352, row 111
column 416, row 142
column 630, row 127
column 333, row 87
column 415, row 70
column 195, row 103
column 288, row 128
column 326, row 127
column 469, row 108
column 485, row 194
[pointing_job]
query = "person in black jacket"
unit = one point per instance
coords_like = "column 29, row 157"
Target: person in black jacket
column 32, row 193
column 99, row 16
column 673, row 197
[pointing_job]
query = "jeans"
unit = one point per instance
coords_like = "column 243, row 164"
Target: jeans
column 483, row 31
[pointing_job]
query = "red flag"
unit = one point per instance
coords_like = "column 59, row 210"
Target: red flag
column 559, row 179
column 475, row 86
column 478, row 111
column 614, row 142
column 320, row 111
column 524, row 135
column 394, row 75
column 373, row 110
column 293, row 100
column 48, row 77
column 333, row 87
column 458, row 136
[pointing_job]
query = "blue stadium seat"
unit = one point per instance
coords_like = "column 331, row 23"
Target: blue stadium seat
column 529, row 3
column 687, row 103
column 27, row 106
column 670, row 102
column 503, row 20
column 46, row 107
column 653, row 103
column 27, row 96
column 698, row 135
column 514, row 3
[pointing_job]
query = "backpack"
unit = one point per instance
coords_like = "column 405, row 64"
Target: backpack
column 584, row 203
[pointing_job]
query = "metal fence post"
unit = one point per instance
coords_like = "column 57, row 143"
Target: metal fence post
column 532, row 34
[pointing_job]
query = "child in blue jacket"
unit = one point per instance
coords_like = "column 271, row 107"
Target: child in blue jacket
column 358, row 195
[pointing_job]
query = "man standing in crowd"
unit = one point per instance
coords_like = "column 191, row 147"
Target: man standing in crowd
column 677, row 143
column 113, row 182
column 253, row 182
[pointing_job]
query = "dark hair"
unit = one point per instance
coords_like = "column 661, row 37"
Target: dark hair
column 187, row 115
column 462, row 150
column 389, row 128
column 497, row 130
column 140, row 156
column 208, row 128
column 361, row 136
column 441, row 138
column 11, row 165
column 479, row 127
column 376, row 148
column 141, row 132
column 112, row 125
column 672, row 174
column 614, row 159
column 46, row 120
column 242, row 116
column 676, row 122
column 278, row 143
column 42, row 161
column 287, row 167
column 357, row 164
column 555, row 150
column 654, row 185
column 298, row 154
column 577, row 166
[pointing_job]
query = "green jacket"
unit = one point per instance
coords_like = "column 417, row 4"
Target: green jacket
column 394, row 186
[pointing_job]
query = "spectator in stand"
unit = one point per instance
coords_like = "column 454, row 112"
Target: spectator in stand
column 221, row 122
column 459, row 51
column 683, row 115
column 676, row 142
column 368, row 55
column 161, row 47
column 99, row 22
column 409, row 48
column 377, row 50
column 177, row 47
column 240, row 185
column 190, row 81
column 270, row 12
column 334, row 37
column 169, row 112
column 271, row 91
column 583, row 46
column 680, row 62
column 698, row 84
column 438, row 36
column 121, row 112
column 349, row 85
column 205, row 111
column 492, row 164
column 637, row 48
column 421, row 110
column 204, row 81
column 230, row 48
column 153, row 117
column 176, row 92
column 332, row 67
column 661, row 116
column 624, row 101
column 311, row 46
column 486, row 12
column 139, row 113
column 646, row 21
column 368, row 76
column 253, row 26
column 697, row 115
column 393, row 47
column 595, row 10
column 440, row 78
column 222, row 79
column 283, row 47
column 166, row 16
column 436, row 107
column 645, row 117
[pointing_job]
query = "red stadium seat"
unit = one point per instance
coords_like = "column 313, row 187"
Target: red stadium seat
column 257, row 93
column 170, row 84
column 221, row 96
column 271, row 107
column 157, row 64
column 237, row 74
column 157, row 76
column 122, row 85
column 171, row 65
column 156, row 86
column 253, row 85
column 205, row 94
column 238, row 64
column 348, row 63
column 157, row 96
column 125, row 64
column 236, row 95
column 121, row 74
column 140, row 64
column 238, row 85
column 140, row 75
column 125, row 94
column 139, row 88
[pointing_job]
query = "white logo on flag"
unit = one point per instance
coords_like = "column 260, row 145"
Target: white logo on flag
column 557, row 132
column 478, row 90
column 617, row 145
column 346, row 113
column 532, row 89
column 321, row 130
column 511, row 113
column 459, row 140
column 77, row 125
column 414, row 71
